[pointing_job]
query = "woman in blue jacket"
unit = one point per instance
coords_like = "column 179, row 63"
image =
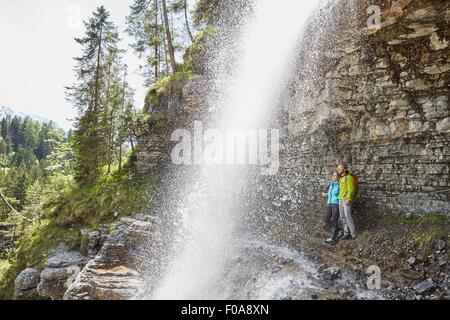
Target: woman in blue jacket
column 332, row 216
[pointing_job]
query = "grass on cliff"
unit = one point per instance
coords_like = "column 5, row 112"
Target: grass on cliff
column 428, row 229
column 86, row 207
column 168, row 88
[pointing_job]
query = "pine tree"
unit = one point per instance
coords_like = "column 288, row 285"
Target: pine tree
column 153, row 25
column 144, row 27
column 90, row 94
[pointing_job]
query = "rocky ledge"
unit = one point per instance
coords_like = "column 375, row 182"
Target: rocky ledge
column 105, row 268
column 113, row 274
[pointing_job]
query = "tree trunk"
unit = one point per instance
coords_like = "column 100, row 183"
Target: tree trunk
column 121, row 134
column 97, row 72
column 188, row 28
column 120, row 157
column 171, row 48
column 108, row 118
column 166, row 58
column 10, row 207
column 2, row 196
column 156, row 44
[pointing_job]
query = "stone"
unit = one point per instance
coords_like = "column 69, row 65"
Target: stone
column 64, row 259
column 417, row 126
column 443, row 125
column 61, row 270
column 26, row 284
column 399, row 104
column 424, row 287
column 437, row 69
column 442, row 262
column 55, row 281
column 412, row 261
column 417, row 84
column 437, row 43
column 441, row 245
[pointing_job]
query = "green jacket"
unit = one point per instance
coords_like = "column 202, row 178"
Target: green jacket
column 347, row 188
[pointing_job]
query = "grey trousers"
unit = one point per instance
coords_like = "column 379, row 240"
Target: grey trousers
column 345, row 212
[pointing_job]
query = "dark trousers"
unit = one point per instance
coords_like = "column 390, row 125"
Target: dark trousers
column 332, row 220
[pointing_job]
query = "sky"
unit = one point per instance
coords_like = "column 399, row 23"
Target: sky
column 37, row 50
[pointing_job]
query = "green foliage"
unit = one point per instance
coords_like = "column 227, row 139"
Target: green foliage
column 426, row 219
column 161, row 31
column 7, row 275
column 429, row 228
column 103, row 98
column 205, row 12
column 167, row 88
column 25, row 146
column 37, row 243
column 69, row 208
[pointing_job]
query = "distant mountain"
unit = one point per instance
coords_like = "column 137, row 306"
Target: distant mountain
column 5, row 112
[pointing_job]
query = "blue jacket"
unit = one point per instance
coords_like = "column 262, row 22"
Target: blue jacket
column 333, row 193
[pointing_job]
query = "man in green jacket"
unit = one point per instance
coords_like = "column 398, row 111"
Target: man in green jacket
column 347, row 193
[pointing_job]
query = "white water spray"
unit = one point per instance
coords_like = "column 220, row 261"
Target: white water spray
column 203, row 262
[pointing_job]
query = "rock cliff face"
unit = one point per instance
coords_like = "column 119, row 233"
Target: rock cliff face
column 377, row 100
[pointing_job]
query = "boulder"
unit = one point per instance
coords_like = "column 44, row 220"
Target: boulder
column 26, row 284
column 424, row 287
column 61, row 270
column 114, row 273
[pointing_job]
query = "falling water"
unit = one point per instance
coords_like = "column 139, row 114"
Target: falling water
column 214, row 255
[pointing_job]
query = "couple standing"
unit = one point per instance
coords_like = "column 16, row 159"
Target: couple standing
column 341, row 193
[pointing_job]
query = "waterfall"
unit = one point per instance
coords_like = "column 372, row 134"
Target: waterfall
column 214, row 255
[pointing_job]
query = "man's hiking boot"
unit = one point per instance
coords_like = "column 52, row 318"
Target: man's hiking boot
column 330, row 241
